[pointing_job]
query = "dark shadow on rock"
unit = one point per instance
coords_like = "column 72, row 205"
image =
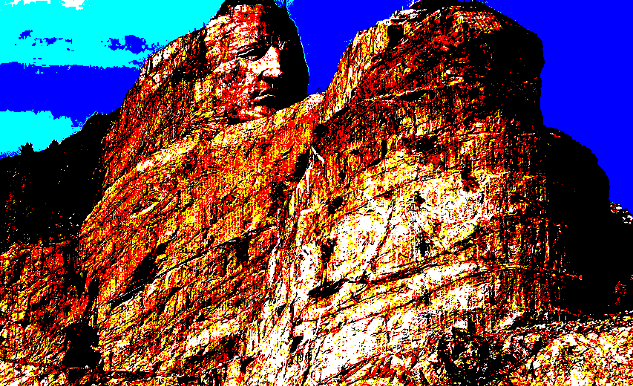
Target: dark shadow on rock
column 594, row 236
column 81, row 357
column 46, row 195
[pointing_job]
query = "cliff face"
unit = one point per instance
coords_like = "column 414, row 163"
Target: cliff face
column 181, row 87
column 414, row 224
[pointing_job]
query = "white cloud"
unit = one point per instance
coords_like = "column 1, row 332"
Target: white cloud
column 90, row 25
column 18, row 128
column 16, row 2
column 77, row 4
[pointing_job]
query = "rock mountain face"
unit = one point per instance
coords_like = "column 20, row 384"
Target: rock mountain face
column 416, row 224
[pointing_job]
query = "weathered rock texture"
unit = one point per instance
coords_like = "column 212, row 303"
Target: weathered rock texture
column 415, row 224
column 183, row 86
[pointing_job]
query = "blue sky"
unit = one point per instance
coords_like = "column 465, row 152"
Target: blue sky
column 63, row 60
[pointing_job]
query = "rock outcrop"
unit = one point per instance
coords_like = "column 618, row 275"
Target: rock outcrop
column 414, row 224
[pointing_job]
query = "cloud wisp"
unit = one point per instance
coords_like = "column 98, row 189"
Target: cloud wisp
column 42, row 127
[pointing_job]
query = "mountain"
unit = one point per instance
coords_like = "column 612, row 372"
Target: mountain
column 415, row 224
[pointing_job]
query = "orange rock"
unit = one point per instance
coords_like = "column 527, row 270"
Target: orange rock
column 411, row 225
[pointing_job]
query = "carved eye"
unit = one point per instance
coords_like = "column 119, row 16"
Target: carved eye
column 258, row 49
column 252, row 51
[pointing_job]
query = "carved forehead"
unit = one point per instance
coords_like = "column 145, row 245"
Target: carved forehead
column 251, row 21
column 256, row 17
column 248, row 12
column 246, row 22
column 261, row 17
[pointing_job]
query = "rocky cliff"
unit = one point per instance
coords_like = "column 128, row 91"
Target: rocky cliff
column 414, row 224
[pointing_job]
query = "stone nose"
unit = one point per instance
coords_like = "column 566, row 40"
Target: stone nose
column 271, row 63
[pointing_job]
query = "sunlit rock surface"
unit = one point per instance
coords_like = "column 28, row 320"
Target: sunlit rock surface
column 415, row 224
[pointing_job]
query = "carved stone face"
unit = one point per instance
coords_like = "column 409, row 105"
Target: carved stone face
column 262, row 68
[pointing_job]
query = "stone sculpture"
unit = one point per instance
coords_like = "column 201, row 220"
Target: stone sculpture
column 213, row 75
column 410, row 225
column 262, row 66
